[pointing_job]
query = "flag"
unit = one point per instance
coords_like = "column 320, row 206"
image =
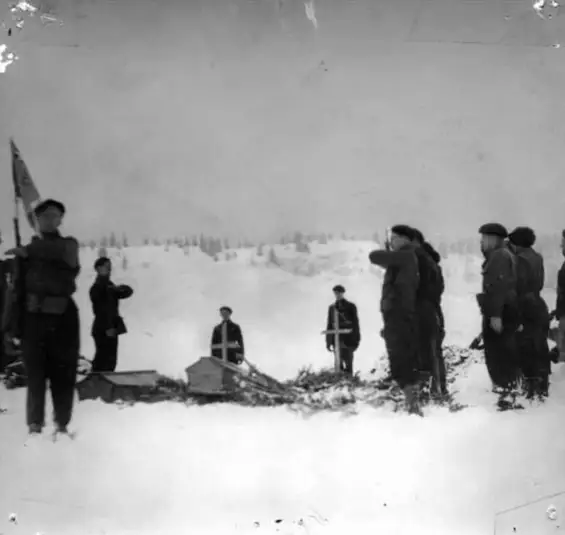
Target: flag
column 24, row 186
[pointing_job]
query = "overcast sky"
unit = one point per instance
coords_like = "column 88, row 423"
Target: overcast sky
column 238, row 117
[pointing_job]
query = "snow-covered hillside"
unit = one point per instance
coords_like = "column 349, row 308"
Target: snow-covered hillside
column 174, row 469
column 282, row 308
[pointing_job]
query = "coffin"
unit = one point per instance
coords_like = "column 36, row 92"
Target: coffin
column 119, row 386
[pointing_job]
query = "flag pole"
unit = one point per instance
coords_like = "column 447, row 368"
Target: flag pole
column 17, row 195
column 12, row 314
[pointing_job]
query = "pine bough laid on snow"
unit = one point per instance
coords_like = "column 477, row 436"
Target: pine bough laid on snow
column 314, row 391
column 311, row 391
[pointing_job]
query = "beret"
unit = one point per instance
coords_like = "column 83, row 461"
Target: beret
column 49, row 203
column 522, row 237
column 403, row 230
column 494, row 229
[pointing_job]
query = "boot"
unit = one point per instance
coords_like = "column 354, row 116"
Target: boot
column 543, row 388
column 35, row 429
column 411, row 399
column 529, row 387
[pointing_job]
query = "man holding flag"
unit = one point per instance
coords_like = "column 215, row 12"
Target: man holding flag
column 45, row 284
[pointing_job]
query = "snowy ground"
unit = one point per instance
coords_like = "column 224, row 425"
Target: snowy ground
column 171, row 468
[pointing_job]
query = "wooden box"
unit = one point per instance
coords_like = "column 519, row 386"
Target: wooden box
column 114, row 386
column 211, row 376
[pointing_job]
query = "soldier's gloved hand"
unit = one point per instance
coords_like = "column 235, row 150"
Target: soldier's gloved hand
column 496, row 325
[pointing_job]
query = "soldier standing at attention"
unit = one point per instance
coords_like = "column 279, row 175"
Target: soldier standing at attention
column 431, row 325
column 533, row 349
column 559, row 312
column 51, row 334
column 498, row 303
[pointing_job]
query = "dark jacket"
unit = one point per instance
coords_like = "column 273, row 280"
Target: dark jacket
column 401, row 279
column 432, row 285
column 531, row 272
column 531, row 278
column 234, row 334
column 51, row 268
column 105, row 298
column 499, row 283
column 560, row 304
column 348, row 319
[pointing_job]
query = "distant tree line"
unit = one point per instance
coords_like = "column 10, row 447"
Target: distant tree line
column 547, row 244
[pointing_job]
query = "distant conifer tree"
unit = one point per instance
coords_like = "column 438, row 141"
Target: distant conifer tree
column 113, row 242
column 273, row 259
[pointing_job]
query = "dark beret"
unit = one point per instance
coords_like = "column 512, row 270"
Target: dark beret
column 522, row 237
column 403, row 230
column 227, row 309
column 339, row 288
column 49, row 203
column 101, row 261
column 494, row 229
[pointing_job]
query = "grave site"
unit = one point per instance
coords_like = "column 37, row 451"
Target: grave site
column 277, row 441
column 254, row 151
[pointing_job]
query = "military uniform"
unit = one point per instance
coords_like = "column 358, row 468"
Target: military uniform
column 105, row 297
column 499, row 300
column 560, row 310
column 398, row 309
column 348, row 319
column 51, row 333
column 533, row 349
column 430, row 317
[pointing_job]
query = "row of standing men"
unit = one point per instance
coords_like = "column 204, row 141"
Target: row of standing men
column 515, row 317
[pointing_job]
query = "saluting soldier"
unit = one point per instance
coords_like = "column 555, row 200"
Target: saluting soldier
column 347, row 319
column 399, row 311
column 229, row 334
column 51, row 334
column 108, row 324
